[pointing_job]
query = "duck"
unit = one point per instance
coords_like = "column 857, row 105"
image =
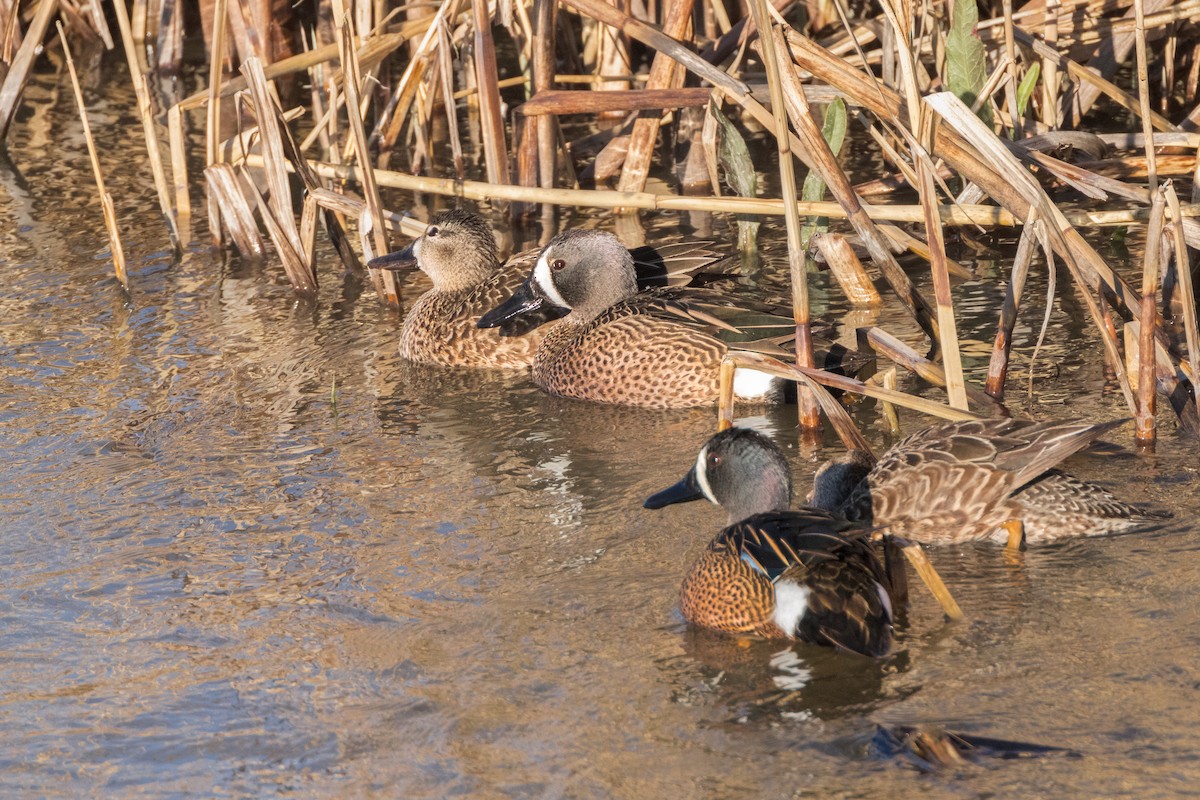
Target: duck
column 806, row 575
column 617, row 345
column 988, row 479
column 458, row 253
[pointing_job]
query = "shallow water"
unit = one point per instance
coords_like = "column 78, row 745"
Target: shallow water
column 246, row 550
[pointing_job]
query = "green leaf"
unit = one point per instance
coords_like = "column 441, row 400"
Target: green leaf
column 1025, row 90
column 734, row 158
column 834, row 131
column 966, row 58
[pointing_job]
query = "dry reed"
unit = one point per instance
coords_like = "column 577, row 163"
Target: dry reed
column 374, row 99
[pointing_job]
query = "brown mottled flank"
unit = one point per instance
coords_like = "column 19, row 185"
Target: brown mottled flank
column 958, row 482
column 838, row 566
column 1058, row 505
column 630, row 356
column 440, row 326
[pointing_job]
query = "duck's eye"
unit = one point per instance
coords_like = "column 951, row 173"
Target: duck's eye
column 432, row 232
column 714, row 460
column 557, row 264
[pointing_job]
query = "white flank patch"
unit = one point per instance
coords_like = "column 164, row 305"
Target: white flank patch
column 750, row 384
column 791, row 604
column 702, row 475
column 545, row 282
column 883, row 598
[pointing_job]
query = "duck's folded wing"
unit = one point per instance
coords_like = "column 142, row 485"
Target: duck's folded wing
column 674, row 264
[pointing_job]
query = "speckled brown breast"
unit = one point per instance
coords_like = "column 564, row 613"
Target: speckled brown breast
column 632, row 359
column 440, row 327
column 724, row 593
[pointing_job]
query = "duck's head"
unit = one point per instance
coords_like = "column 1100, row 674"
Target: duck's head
column 836, row 479
column 580, row 271
column 740, row 470
column 457, row 252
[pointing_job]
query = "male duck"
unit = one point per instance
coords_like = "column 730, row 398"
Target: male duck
column 458, row 253
column 975, row 480
column 777, row 573
column 616, row 345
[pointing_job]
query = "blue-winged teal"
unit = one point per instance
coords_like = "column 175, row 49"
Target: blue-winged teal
column 965, row 481
column 458, row 253
column 777, row 573
column 651, row 349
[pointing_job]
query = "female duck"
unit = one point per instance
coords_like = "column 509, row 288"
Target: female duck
column 981, row 479
column 804, row 574
column 458, row 253
column 616, row 345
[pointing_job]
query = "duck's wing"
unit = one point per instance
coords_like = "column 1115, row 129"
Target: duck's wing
column 1022, row 448
column 741, row 324
column 834, row 565
column 674, row 264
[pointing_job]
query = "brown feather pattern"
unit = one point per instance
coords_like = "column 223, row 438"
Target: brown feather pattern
column 732, row 586
column 962, row 481
column 647, row 351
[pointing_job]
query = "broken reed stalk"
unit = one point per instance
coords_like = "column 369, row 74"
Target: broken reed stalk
column 179, row 170
column 998, row 366
column 664, row 74
column 888, row 381
column 948, row 341
column 932, row 580
column 771, row 51
column 544, row 66
column 225, row 192
column 1143, row 81
column 106, row 201
column 847, row 431
column 22, row 62
column 1145, row 434
column 386, row 283
column 495, row 150
column 146, row 112
column 1183, row 273
column 725, row 393
column 847, row 270
column 212, row 130
column 885, row 343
